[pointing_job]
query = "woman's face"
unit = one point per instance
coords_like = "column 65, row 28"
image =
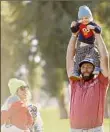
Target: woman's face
column 22, row 92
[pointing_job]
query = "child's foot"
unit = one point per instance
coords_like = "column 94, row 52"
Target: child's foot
column 97, row 70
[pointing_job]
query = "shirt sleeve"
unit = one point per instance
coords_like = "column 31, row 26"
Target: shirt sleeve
column 74, row 29
column 103, row 80
column 72, row 85
column 71, row 80
column 97, row 27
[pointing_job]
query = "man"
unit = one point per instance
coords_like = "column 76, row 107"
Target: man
column 88, row 93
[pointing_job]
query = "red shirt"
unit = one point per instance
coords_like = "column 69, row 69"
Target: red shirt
column 87, row 102
column 85, row 31
column 17, row 115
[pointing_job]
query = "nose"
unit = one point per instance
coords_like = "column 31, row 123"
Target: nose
column 85, row 70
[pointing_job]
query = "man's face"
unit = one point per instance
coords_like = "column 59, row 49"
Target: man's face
column 86, row 71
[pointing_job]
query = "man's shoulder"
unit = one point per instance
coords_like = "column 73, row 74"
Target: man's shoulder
column 101, row 76
column 72, row 80
column 102, row 79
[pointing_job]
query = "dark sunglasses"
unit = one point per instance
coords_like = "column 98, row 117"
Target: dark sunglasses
column 23, row 88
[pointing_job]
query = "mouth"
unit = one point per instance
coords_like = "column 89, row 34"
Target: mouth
column 86, row 74
column 24, row 94
column 85, row 22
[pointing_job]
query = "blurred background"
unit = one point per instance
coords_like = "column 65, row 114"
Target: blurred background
column 34, row 39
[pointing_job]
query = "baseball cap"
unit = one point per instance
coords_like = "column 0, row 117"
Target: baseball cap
column 87, row 60
column 14, row 84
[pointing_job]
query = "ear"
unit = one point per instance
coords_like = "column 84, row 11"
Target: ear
column 79, row 70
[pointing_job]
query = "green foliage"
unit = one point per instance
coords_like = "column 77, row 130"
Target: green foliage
column 102, row 12
column 53, row 123
column 54, row 81
column 49, row 22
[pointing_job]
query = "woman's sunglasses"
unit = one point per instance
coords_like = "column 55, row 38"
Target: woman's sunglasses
column 22, row 88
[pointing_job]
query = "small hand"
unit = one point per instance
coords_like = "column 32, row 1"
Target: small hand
column 90, row 27
column 73, row 23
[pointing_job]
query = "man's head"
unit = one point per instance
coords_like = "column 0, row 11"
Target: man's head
column 86, row 69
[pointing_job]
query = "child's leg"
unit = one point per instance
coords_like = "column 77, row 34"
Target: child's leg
column 95, row 55
column 81, row 53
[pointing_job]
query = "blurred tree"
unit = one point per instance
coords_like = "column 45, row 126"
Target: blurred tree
column 16, row 48
column 12, row 55
column 6, row 60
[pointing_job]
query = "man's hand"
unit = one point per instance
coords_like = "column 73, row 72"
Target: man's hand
column 90, row 27
column 73, row 23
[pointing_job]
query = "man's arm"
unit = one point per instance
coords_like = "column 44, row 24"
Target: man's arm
column 104, row 57
column 109, row 77
column 70, row 55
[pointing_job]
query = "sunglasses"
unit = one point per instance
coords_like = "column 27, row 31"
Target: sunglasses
column 23, row 88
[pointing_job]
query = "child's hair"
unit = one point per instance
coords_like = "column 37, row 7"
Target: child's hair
column 84, row 11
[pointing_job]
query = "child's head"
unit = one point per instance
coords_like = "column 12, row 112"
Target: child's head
column 84, row 14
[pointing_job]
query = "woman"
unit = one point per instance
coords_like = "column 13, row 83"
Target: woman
column 18, row 114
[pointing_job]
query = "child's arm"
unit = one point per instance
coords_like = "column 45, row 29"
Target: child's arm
column 74, row 27
column 95, row 27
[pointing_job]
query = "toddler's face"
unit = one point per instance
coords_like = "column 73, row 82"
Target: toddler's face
column 85, row 20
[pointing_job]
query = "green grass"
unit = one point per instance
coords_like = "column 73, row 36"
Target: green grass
column 52, row 123
column 107, row 125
